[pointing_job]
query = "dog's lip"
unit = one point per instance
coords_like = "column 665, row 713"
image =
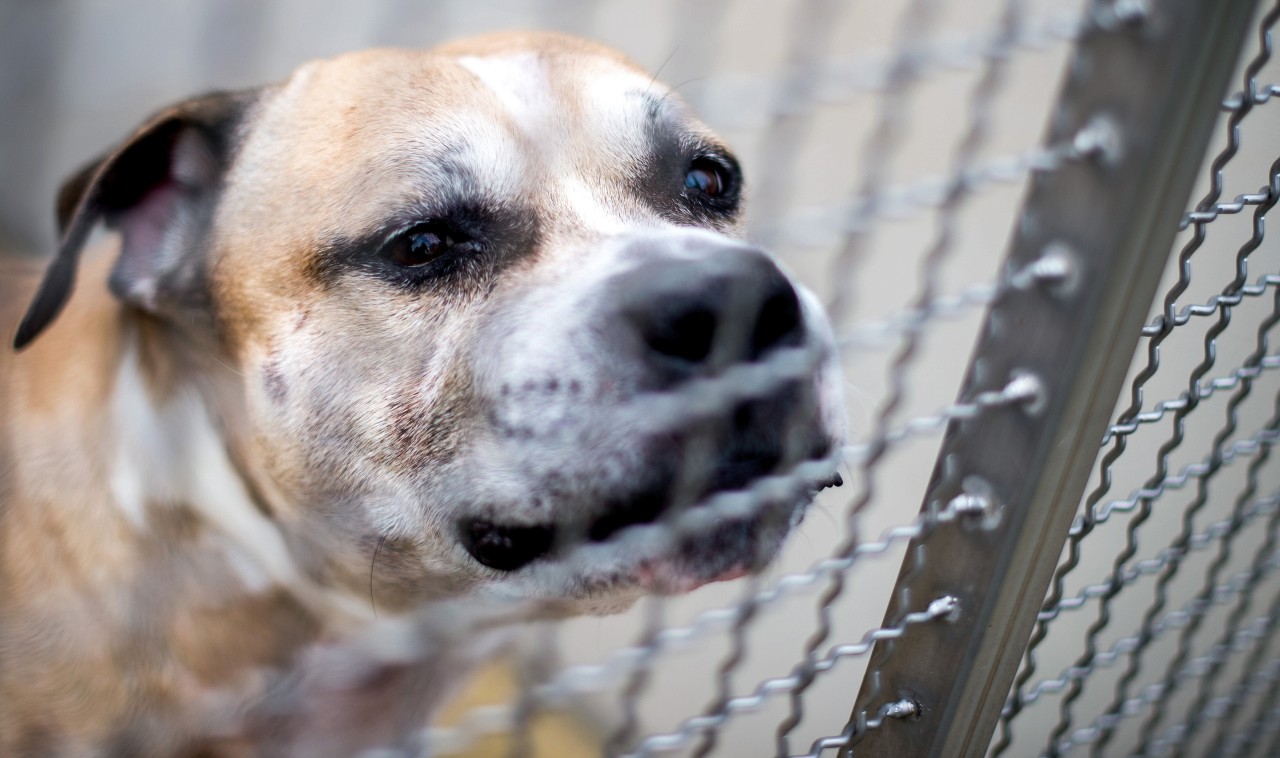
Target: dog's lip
column 677, row 571
column 510, row 547
column 678, row 568
column 717, row 554
column 669, row 576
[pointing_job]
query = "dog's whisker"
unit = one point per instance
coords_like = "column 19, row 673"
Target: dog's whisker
column 658, row 73
column 224, row 364
column 676, row 88
column 372, row 564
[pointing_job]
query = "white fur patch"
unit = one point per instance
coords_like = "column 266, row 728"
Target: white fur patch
column 174, row 454
column 617, row 112
column 520, row 83
column 146, row 462
column 247, row 569
column 615, row 118
column 586, row 205
column 216, row 491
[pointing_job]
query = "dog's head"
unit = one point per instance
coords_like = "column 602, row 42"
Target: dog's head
column 488, row 315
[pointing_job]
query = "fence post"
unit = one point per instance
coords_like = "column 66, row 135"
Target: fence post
column 1140, row 98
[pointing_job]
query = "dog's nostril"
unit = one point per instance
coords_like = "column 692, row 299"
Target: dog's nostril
column 686, row 336
column 778, row 323
column 702, row 311
column 506, row 548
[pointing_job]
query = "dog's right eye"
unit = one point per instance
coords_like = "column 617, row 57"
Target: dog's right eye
column 423, row 244
column 712, row 182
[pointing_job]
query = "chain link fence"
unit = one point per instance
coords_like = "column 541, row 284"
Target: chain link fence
column 1170, row 650
column 985, row 196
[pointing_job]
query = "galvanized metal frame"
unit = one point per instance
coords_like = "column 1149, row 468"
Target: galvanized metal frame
column 1138, row 97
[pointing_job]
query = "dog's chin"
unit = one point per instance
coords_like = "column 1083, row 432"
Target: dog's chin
column 653, row 559
column 599, row 550
column 726, row 551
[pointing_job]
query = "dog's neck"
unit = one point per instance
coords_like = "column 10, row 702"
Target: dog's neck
column 135, row 548
column 130, row 545
column 134, row 443
column 170, row 452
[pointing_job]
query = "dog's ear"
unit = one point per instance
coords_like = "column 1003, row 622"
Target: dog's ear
column 159, row 189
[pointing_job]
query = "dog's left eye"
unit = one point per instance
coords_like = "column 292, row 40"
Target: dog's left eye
column 423, row 244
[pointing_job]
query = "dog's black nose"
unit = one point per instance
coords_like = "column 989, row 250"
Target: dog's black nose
column 697, row 311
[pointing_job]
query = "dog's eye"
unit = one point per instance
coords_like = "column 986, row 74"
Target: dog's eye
column 423, row 244
column 707, row 177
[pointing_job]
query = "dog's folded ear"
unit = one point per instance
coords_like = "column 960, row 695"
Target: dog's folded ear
column 159, row 188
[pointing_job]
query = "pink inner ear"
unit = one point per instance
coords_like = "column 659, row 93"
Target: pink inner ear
column 142, row 256
column 144, row 224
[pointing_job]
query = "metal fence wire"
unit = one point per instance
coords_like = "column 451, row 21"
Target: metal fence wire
column 1127, row 132
column 992, row 200
column 1175, row 641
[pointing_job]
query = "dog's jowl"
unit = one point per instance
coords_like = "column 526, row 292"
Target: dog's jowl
column 462, row 330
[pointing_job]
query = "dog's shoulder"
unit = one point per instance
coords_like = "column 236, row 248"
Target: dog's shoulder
column 78, row 571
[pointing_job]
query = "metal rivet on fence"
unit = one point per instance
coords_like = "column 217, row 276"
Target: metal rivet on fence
column 1100, row 140
column 1117, row 13
column 1057, row 270
column 902, row 709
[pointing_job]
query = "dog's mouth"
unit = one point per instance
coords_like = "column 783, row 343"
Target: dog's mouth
column 723, row 547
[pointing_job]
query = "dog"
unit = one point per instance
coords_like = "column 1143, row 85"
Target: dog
column 409, row 330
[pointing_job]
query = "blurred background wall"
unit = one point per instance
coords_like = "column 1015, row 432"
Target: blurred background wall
column 847, row 116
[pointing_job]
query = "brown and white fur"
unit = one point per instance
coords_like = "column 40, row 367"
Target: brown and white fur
column 400, row 332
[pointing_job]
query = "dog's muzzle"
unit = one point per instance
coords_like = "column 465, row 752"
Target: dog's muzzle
column 672, row 317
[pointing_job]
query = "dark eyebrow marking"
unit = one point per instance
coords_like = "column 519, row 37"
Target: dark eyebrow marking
column 658, row 175
column 339, row 253
column 445, row 186
column 502, row 231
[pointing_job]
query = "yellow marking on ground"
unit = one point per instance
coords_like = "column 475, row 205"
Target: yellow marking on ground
column 554, row 734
